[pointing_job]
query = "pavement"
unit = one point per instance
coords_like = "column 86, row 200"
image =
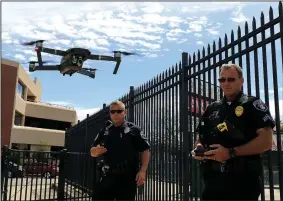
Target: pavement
column 45, row 189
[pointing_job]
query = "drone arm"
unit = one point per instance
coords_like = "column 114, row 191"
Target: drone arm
column 47, row 67
column 101, row 57
column 51, row 51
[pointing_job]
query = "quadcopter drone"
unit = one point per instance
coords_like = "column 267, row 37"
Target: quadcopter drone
column 72, row 60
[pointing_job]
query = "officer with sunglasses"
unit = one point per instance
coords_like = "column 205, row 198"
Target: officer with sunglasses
column 232, row 134
column 121, row 145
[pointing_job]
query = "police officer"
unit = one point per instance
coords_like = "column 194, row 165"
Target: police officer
column 233, row 132
column 118, row 144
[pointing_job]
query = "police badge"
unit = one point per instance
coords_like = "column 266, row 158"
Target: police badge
column 239, row 111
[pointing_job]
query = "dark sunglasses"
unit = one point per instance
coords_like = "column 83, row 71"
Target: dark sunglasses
column 116, row 111
column 229, row 79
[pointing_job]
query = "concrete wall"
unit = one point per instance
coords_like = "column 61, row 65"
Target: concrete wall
column 9, row 71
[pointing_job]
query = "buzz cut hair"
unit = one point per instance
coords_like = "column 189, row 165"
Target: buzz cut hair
column 229, row 66
column 117, row 102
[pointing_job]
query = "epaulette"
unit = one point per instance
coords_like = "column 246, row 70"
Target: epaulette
column 130, row 124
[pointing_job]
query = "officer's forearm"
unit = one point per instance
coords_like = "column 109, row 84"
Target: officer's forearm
column 258, row 145
column 145, row 160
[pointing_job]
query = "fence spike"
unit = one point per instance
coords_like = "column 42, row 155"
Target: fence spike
column 208, row 49
column 219, row 42
column 239, row 31
column 232, row 35
column 214, row 45
column 254, row 24
column 198, row 55
column 270, row 13
column 226, row 39
column 246, row 27
column 262, row 15
column 280, row 8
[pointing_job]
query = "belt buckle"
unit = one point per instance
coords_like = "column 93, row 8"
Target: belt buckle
column 222, row 166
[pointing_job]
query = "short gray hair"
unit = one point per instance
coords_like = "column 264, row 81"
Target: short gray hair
column 229, row 66
column 117, row 102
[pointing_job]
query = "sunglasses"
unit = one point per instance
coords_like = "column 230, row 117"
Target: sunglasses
column 116, row 111
column 229, row 79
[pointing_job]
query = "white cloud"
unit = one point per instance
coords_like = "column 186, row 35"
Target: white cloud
column 198, row 24
column 272, row 108
column 99, row 26
column 153, row 7
column 20, row 57
column 210, row 7
column 238, row 15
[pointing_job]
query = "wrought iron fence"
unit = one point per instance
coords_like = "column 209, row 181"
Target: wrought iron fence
column 36, row 175
column 168, row 107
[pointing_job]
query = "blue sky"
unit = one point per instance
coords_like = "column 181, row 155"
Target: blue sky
column 160, row 31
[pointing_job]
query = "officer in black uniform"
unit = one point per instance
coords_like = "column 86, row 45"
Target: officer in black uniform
column 117, row 148
column 233, row 132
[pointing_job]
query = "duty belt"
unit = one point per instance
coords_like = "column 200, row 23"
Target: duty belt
column 231, row 166
column 116, row 169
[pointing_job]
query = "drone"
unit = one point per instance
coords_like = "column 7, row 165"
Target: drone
column 72, row 59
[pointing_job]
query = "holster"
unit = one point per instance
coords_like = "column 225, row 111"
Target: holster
column 115, row 169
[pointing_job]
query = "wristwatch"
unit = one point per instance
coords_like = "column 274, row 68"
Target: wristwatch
column 232, row 152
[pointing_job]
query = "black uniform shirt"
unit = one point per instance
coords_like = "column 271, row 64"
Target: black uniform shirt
column 123, row 143
column 246, row 113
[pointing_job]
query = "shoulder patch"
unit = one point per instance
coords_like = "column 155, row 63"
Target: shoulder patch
column 260, row 105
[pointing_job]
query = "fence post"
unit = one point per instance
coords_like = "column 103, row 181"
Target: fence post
column 62, row 175
column 86, row 136
column 104, row 105
column 4, row 173
column 131, row 105
column 184, row 125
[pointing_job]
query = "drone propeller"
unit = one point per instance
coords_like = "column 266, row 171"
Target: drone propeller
column 32, row 42
column 33, row 62
column 125, row 53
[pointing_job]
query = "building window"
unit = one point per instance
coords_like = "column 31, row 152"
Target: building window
column 18, row 119
column 21, row 90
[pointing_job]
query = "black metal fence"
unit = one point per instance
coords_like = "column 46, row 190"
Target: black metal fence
column 168, row 108
column 36, row 175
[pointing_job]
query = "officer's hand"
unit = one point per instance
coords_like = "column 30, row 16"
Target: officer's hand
column 140, row 178
column 97, row 151
column 219, row 154
column 199, row 146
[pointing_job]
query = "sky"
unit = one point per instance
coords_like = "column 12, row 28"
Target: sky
column 158, row 31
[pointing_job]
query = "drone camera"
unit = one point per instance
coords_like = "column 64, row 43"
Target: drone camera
column 78, row 60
